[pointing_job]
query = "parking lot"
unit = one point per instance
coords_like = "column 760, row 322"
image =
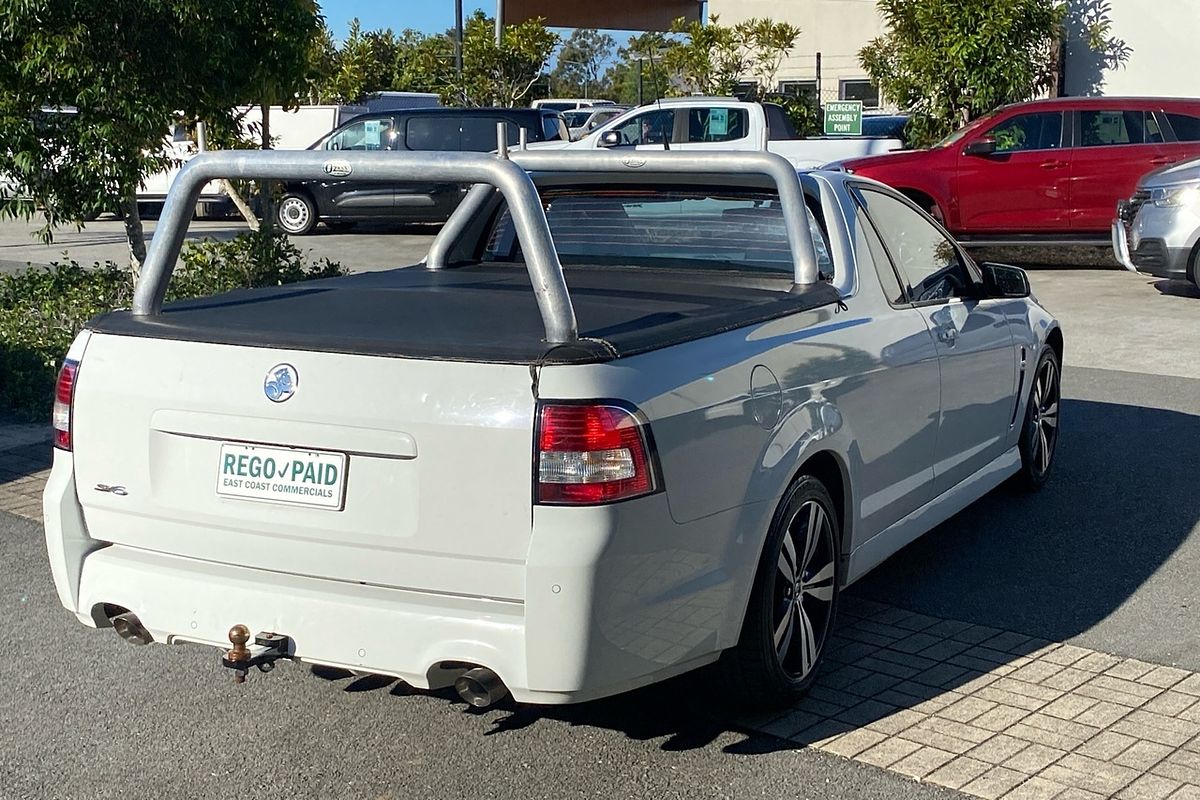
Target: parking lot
column 1042, row 646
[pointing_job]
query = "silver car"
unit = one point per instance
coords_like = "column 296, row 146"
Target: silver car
column 1157, row 231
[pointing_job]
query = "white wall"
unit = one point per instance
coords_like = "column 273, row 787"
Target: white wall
column 1164, row 37
column 837, row 29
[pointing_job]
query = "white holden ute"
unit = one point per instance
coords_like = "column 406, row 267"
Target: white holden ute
column 636, row 413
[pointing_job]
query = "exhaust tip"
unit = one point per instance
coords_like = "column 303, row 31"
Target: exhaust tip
column 480, row 687
column 131, row 629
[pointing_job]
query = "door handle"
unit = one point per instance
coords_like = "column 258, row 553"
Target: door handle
column 947, row 335
column 1159, row 160
column 1052, row 164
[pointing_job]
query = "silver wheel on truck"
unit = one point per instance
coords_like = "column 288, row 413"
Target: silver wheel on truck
column 794, row 600
column 296, row 214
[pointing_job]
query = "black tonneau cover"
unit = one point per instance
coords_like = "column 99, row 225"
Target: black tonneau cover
column 483, row 313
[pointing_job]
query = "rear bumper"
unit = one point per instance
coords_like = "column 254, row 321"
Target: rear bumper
column 602, row 613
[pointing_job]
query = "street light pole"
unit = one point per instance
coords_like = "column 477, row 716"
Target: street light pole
column 499, row 21
column 458, row 39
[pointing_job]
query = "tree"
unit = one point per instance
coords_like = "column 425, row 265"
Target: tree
column 119, row 72
column 577, row 69
column 502, row 74
column 639, row 64
column 713, row 59
column 951, row 61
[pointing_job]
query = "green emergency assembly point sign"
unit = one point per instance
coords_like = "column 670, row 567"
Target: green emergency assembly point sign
column 843, row 118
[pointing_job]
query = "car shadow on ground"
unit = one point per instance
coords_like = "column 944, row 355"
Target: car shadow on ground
column 1050, row 565
column 377, row 227
column 1178, row 288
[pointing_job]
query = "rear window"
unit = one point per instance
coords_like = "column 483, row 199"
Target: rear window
column 472, row 134
column 1186, row 127
column 1108, row 128
column 688, row 228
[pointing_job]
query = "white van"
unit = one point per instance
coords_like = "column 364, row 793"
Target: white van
column 568, row 103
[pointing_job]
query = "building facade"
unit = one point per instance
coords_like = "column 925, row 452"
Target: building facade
column 825, row 59
column 1160, row 37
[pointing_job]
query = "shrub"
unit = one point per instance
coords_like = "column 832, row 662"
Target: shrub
column 42, row 309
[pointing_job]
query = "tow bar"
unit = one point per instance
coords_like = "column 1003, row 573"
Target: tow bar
column 266, row 650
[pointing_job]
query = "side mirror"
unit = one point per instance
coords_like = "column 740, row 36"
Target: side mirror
column 610, row 139
column 1001, row 280
column 981, row 147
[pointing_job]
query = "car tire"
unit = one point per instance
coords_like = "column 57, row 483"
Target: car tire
column 296, row 214
column 1039, row 432
column 791, row 612
column 1194, row 267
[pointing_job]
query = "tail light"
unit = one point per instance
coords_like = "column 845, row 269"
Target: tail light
column 64, row 394
column 591, row 454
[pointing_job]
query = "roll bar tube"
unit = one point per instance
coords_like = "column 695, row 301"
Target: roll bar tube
column 529, row 219
column 641, row 166
column 647, row 166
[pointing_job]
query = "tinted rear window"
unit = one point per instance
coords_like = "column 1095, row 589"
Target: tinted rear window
column 473, row 134
column 1186, row 127
column 691, row 228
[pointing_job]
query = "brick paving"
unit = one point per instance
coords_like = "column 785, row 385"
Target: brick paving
column 996, row 714
column 991, row 713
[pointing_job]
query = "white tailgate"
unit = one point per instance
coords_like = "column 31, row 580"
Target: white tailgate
column 430, row 462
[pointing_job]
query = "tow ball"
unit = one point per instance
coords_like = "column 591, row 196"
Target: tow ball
column 266, row 650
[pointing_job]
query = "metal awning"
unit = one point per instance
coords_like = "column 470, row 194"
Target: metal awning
column 632, row 15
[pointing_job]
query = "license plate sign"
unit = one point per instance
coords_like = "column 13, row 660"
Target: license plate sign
column 282, row 475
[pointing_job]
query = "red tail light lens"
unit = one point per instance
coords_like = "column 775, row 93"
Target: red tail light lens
column 591, row 454
column 64, row 394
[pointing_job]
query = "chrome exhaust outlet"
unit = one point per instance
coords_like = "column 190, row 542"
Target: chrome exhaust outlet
column 131, row 629
column 480, row 687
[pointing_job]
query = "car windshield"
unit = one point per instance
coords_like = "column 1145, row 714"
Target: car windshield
column 965, row 129
column 687, row 227
column 577, row 117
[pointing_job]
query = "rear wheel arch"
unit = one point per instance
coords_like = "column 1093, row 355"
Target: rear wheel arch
column 1054, row 340
column 829, row 468
column 927, row 203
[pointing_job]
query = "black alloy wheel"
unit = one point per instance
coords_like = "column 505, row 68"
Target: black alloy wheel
column 793, row 604
column 1039, row 437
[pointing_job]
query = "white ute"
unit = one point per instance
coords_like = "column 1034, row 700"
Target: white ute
column 463, row 473
column 715, row 124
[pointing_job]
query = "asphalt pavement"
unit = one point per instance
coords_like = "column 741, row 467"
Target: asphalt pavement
column 1104, row 557
column 86, row 715
column 364, row 248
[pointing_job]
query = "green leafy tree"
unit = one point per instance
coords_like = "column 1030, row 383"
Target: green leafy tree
column 640, row 63
column 577, row 70
column 951, row 61
column 502, row 74
column 368, row 62
column 712, row 59
column 127, row 68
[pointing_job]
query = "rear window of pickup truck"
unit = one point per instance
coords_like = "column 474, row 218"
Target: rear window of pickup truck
column 689, row 228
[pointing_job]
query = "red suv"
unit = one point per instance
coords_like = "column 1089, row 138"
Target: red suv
column 1051, row 167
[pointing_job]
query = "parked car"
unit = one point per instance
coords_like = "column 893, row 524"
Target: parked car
column 567, row 103
column 341, row 203
column 1157, row 231
column 1049, row 168
column 712, row 124
column 630, row 417
column 888, row 126
column 583, row 121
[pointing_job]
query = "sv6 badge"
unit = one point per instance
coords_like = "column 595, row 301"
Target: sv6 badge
column 119, row 491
